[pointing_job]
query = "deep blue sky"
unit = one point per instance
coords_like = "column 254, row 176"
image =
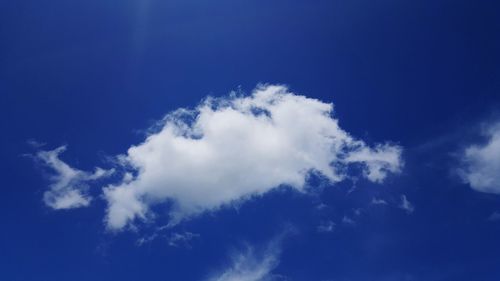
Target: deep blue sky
column 95, row 74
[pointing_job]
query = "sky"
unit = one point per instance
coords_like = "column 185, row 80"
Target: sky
column 250, row 140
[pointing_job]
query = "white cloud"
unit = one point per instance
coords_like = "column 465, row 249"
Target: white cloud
column 251, row 266
column 481, row 163
column 229, row 149
column 378, row 161
column 68, row 185
column 406, row 205
column 377, row 201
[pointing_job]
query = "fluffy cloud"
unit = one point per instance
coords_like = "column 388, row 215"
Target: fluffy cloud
column 232, row 148
column 68, row 185
column 249, row 266
column 481, row 163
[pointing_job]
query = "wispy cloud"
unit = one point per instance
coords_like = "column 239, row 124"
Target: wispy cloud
column 182, row 239
column 377, row 201
column 326, row 226
column 348, row 220
column 252, row 264
column 481, row 162
column 495, row 216
column 406, row 205
column 68, row 186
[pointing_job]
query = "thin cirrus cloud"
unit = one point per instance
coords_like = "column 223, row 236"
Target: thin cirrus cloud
column 377, row 201
column 406, row 205
column 326, row 226
column 228, row 149
column 495, row 216
column 68, row 186
column 481, row 163
column 252, row 265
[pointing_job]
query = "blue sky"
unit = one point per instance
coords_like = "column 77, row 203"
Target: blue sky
column 344, row 141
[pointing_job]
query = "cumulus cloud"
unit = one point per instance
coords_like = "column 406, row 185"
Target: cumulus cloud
column 223, row 151
column 406, row 205
column 68, row 186
column 229, row 149
column 249, row 265
column 481, row 163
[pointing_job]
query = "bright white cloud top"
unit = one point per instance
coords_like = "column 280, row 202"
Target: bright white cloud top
column 231, row 148
column 68, row 188
column 228, row 149
column 481, row 163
